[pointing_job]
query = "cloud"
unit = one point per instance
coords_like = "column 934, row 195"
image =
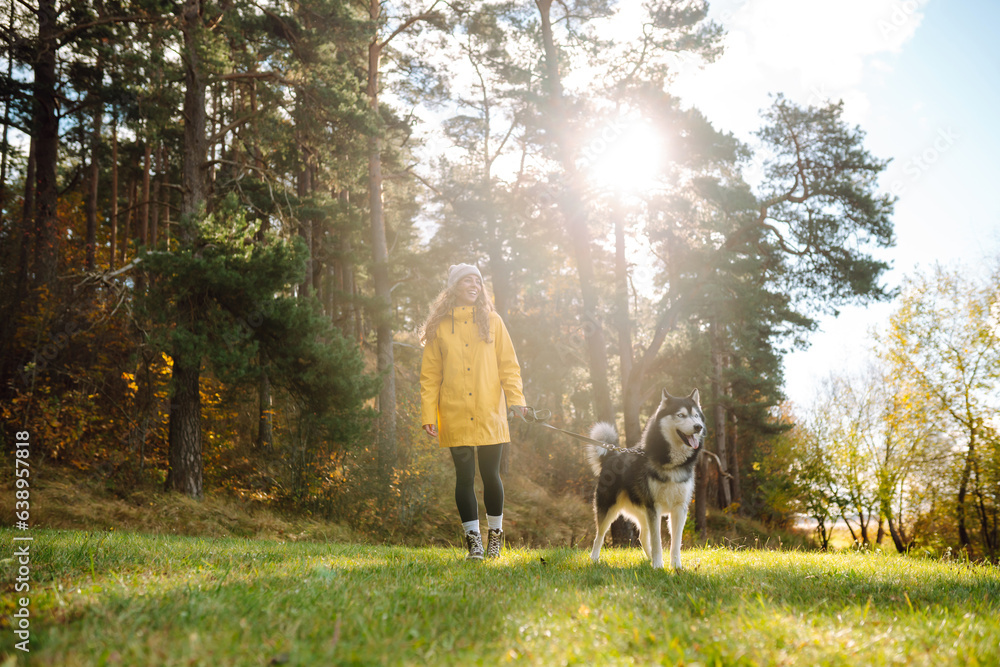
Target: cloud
column 810, row 50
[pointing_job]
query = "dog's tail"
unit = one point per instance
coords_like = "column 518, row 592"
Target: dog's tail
column 604, row 432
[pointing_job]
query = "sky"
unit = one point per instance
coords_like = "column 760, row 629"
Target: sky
column 922, row 79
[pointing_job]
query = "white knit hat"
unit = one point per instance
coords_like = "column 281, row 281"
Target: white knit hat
column 458, row 271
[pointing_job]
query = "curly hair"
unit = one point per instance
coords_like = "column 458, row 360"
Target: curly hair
column 444, row 305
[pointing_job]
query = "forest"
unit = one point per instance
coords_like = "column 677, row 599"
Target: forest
column 224, row 222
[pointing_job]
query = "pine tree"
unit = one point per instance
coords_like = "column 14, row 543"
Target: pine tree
column 215, row 299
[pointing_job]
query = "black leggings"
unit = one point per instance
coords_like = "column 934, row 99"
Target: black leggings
column 465, row 480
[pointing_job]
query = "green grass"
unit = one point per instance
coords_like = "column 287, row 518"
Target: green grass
column 132, row 599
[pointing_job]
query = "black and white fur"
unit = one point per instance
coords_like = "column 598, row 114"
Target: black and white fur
column 645, row 487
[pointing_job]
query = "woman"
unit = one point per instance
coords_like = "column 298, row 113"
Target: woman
column 468, row 378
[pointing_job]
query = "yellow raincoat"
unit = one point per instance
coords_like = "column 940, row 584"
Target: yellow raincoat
column 466, row 383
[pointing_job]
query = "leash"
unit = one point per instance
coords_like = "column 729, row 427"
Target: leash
column 533, row 417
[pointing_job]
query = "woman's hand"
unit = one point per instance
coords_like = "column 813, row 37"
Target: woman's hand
column 431, row 429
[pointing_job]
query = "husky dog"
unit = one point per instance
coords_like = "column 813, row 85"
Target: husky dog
column 654, row 479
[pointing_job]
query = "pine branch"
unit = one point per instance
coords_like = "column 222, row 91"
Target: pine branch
column 229, row 128
column 427, row 15
column 108, row 20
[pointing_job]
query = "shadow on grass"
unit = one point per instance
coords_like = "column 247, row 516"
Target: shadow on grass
column 235, row 602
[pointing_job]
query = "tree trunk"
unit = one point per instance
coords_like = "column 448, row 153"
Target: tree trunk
column 963, row 489
column 502, row 296
column 303, row 189
column 701, row 498
column 863, row 526
column 193, row 167
column 349, row 315
column 147, row 165
column 316, row 253
column 114, row 194
column 632, row 399
column 130, row 228
column 633, row 428
column 734, row 458
column 575, row 216
column 886, row 512
column 154, row 220
column 166, row 214
column 185, row 472
column 380, row 269
column 27, row 222
column 824, row 536
column 989, row 534
column 850, row 528
column 22, row 234
column 383, row 329
column 95, row 175
column 502, row 292
column 46, row 135
column 719, row 410
column 897, row 538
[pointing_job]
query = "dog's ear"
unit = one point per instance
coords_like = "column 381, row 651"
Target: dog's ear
column 665, row 396
column 695, row 396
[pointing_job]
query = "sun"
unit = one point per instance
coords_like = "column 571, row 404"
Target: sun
column 626, row 158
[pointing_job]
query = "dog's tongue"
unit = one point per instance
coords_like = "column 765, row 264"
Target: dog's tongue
column 692, row 441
